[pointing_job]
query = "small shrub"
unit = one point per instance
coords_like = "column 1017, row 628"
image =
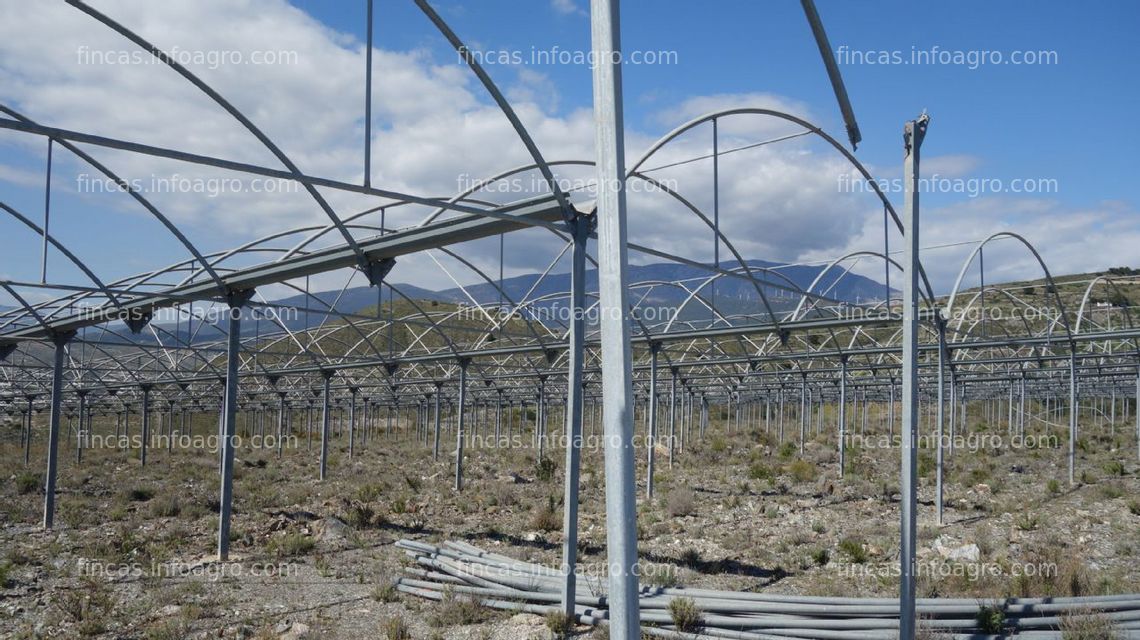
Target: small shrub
column 386, row 592
column 1053, row 487
column 1134, row 507
column 680, row 502
column 1027, row 521
column 368, row 492
column 691, row 557
column 1114, row 468
column 758, row 471
column 802, row 471
column 559, row 623
column 139, row 494
column 685, row 614
column 545, row 469
column 290, row 544
column 166, row 507
column 990, row 619
column 27, row 482
column 359, row 516
column 1111, row 490
column 396, row 629
column 456, row 610
column 853, row 549
column 547, row 518
column 787, row 450
column 717, row 444
column 821, row 557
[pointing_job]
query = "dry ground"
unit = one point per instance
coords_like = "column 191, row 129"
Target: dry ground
column 130, row 555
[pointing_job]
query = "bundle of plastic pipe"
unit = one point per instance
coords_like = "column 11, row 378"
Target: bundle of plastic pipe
column 500, row 582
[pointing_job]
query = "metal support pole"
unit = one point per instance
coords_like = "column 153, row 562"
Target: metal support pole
column 81, row 434
column 459, row 429
column 652, row 444
column 842, row 414
column 145, row 422
column 435, row 445
column 943, row 358
column 60, row 340
column 617, row 382
column 326, row 410
column 914, row 133
column 1073, row 409
column 32, row 412
column 673, row 411
column 576, row 355
column 280, row 421
column 803, row 411
column 229, row 422
column 352, row 421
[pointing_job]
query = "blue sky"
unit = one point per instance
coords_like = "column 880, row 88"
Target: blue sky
column 1068, row 120
column 1065, row 124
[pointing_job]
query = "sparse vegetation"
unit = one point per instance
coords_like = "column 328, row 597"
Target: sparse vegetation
column 685, row 615
column 680, row 502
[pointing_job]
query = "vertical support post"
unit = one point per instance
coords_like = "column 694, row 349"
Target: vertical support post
column 842, row 414
column 83, row 422
column 463, row 362
column 1074, row 408
column 617, row 382
column 368, row 102
column 326, row 418
column 145, row 422
column 60, row 340
column 673, row 411
column 435, row 445
column 280, row 421
column 913, row 135
column 352, row 421
column 654, row 348
column 229, row 421
column 803, row 411
column 575, row 356
column 31, row 412
column 498, row 417
column 943, row 358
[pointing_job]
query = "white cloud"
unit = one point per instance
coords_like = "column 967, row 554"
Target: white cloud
column 567, row 7
column 434, row 129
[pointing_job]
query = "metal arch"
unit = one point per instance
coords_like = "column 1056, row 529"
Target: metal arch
column 731, row 247
column 491, row 282
column 229, row 108
column 803, row 123
column 831, row 265
column 322, row 230
column 1040, row 261
column 1085, row 298
column 146, row 204
column 24, row 303
column 505, row 106
column 64, row 250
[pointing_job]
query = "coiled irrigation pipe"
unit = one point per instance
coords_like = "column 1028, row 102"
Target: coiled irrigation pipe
column 505, row 583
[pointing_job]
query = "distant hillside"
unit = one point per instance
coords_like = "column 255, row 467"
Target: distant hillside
column 734, row 296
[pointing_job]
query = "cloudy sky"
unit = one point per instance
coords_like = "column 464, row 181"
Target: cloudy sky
column 1035, row 147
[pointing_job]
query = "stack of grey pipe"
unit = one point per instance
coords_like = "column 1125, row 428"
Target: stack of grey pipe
column 501, row 582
